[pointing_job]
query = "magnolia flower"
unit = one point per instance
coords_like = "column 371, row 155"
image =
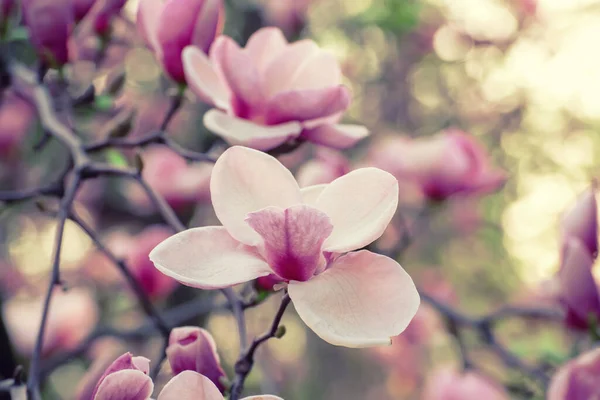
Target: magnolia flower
column 581, row 222
column 194, row 349
column 578, row 290
column 127, row 379
column 283, row 91
column 72, row 316
column 443, row 165
column 50, row 23
column 271, row 226
column 324, row 168
column 447, row 384
column 577, row 379
column 170, row 25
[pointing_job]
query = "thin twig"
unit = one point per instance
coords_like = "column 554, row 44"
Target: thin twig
column 245, row 362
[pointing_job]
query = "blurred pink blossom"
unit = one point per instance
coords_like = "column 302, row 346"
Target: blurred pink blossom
column 50, row 23
column 170, row 25
column 271, row 226
column 284, row 91
column 289, row 15
column 126, row 378
column 194, row 349
column 577, row 379
column 180, row 183
column 326, row 166
column 448, row 384
column 16, row 117
column 72, row 316
column 443, row 165
column 581, row 222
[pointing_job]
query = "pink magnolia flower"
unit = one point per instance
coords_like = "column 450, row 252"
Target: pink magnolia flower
column 194, row 349
column 271, row 226
column 448, row 384
column 50, row 23
column 190, row 385
column 72, row 316
column 577, row 379
column 283, row 91
column 171, row 176
column 581, row 222
column 82, row 7
column 578, row 290
column 327, row 166
column 170, row 25
column 443, row 165
column 126, row 378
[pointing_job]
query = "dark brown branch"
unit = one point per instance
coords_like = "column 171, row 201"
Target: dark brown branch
column 244, row 364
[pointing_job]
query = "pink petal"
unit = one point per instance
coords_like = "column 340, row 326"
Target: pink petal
column 306, row 105
column 311, row 193
column 241, row 76
column 203, row 79
column 190, row 385
column 581, row 221
column 280, row 71
column 207, row 258
column 318, row 71
column 292, row 239
column 337, row 136
column 247, row 133
column 127, row 384
column 578, row 288
column 209, row 24
column 262, row 397
column 246, row 180
column 361, row 300
column 148, row 17
column 264, row 45
column 360, row 204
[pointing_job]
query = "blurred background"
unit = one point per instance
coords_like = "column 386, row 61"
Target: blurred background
column 519, row 75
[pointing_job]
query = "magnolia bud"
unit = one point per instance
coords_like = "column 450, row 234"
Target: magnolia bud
column 126, row 378
column 577, row 379
column 581, row 221
column 194, row 349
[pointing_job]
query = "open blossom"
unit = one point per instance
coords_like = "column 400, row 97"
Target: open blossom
column 172, row 177
column 577, row 379
column 581, row 221
column 72, row 316
column 283, row 91
column 170, row 25
column 448, row 384
column 271, row 226
column 127, row 379
column 194, row 349
column 443, row 165
column 327, row 166
column 50, row 23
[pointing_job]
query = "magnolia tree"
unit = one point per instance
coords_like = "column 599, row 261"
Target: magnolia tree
column 259, row 207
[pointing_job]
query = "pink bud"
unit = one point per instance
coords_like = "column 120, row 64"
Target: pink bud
column 72, row 316
column 194, row 349
column 578, row 290
column 126, row 378
column 577, row 379
column 581, row 221
column 154, row 283
column 442, row 165
column 327, row 166
column 50, row 23
column 170, row 25
column 448, row 384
